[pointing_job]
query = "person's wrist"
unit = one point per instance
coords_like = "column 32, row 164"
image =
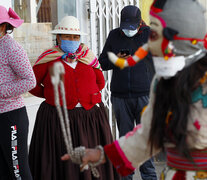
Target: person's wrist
column 97, row 155
column 101, row 155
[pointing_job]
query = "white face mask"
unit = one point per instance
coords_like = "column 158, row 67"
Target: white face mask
column 129, row 33
column 168, row 68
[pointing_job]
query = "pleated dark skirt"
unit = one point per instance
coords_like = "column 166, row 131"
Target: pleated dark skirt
column 88, row 128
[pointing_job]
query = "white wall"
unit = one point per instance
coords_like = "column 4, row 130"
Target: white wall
column 6, row 3
column 82, row 15
column 33, row 6
column 32, row 104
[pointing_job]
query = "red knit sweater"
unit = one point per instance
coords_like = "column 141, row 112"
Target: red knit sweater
column 82, row 84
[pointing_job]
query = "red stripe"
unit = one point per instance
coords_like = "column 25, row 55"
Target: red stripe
column 187, row 164
column 175, row 160
column 197, row 153
column 196, row 158
column 131, row 61
column 84, row 54
column 43, row 55
column 156, row 10
column 189, row 168
column 96, row 63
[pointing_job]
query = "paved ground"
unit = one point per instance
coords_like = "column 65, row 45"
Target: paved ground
column 159, row 167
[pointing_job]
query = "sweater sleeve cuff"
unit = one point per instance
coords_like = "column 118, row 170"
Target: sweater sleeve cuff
column 119, row 159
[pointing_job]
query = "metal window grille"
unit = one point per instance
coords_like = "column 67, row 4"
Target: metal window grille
column 44, row 11
column 22, row 8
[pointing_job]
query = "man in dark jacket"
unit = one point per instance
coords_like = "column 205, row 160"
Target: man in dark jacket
column 130, row 86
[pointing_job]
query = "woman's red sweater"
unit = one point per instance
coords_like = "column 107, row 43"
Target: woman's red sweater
column 82, row 84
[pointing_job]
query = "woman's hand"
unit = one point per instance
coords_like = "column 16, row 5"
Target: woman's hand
column 91, row 155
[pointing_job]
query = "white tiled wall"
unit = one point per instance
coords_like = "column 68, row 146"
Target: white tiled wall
column 32, row 105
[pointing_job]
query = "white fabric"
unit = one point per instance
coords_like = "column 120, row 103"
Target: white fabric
column 168, row 68
column 72, row 65
column 130, row 33
column 78, row 105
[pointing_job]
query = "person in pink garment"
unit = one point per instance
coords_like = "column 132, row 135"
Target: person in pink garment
column 16, row 78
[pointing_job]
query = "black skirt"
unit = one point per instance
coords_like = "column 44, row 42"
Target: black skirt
column 89, row 128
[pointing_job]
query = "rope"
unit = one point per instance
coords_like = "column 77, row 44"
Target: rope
column 77, row 153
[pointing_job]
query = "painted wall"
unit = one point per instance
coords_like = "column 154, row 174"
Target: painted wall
column 6, row 3
column 35, row 39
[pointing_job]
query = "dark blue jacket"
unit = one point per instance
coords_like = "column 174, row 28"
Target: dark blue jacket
column 131, row 81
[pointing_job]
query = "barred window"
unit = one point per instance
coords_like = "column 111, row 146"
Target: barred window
column 22, row 8
column 44, row 11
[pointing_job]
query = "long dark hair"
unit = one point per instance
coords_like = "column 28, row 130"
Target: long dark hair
column 174, row 95
column 9, row 28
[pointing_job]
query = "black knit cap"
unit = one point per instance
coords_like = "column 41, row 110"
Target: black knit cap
column 130, row 17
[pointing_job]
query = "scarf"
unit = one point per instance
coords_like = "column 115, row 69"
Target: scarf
column 83, row 54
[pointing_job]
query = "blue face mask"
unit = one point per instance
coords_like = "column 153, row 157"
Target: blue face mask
column 129, row 33
column 69, row 46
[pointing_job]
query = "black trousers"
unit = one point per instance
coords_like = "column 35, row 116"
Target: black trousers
column 127, row 112
column 13, row 145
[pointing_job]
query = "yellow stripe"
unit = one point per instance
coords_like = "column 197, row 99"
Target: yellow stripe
column 168, row 117
column 120, row 62
column 143, row 110
column 145, row 8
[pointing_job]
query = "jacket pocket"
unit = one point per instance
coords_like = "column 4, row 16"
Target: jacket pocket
column 95, row 98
